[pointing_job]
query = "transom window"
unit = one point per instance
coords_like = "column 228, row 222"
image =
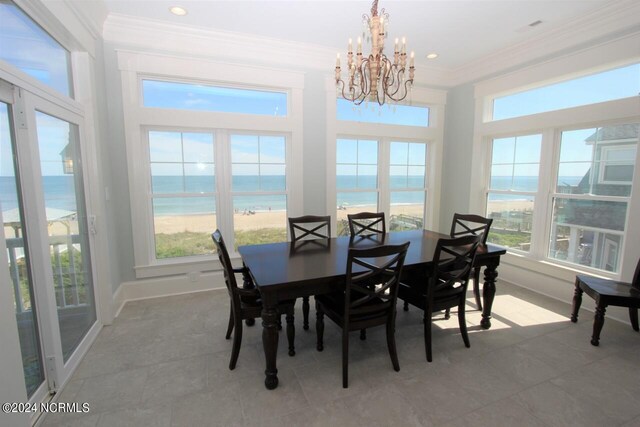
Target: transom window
column 25, row 45
column 201, row 97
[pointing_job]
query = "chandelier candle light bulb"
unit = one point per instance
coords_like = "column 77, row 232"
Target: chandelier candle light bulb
column 375, row 77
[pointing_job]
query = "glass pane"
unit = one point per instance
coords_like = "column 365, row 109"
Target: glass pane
column 191, row 96
column 199, row 178
column 167, row 178
column 246, row 178
column 606, row 86
column 588, row 232
column 62, row 180
column 347, row 151
column 512, row 220
column 503, row 151
column 399, row 153
column 273, row 178
column 28, row 47
column 525, row 177
column 197, row 147
column 501, row 177
column 528, row 149
column 165, row 146
column 346, row 176
column 182, row 226
column 598, row 161
column 354, row 202
column 407, row 210
column 244, row 149
column 367, row 176
column 398, row 177
column 272, row 149
column 259, row 219
column 18, row 256
column 417, row 154
column 367, row 152
column 416, row 177
column 407, row 115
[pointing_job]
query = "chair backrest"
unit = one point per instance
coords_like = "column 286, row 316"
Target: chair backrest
column 373, row 277
column 227, row 268
column 453, row 260
column 310, row 227
column 636, row 277
column 366, row 223
column 470, row 225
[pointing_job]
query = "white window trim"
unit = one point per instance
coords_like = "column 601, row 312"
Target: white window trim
column 134, row 67
column 616, row 53
column 433, row 136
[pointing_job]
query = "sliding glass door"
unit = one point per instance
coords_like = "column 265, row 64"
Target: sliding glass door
column 46, row 232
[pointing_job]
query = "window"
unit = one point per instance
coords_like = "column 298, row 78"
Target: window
column 407, row 115
column 407, row 183
column 613, row 84
column 198, row 97
column 25, row 45
column 592, row 195
column 183, row 192
column 356, row 179
column 203, row 155
column 258, row 164
column 513, row 183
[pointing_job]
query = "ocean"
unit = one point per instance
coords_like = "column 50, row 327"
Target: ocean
column 59, row 192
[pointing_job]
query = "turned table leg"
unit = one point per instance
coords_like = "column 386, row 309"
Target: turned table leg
column 489, row 292
column 270, row 318
column 598, row 323
column 577, row 301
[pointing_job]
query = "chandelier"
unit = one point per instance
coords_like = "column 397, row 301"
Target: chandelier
column 375, row 77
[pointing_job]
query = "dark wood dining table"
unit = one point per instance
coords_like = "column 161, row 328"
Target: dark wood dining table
column 288, row 270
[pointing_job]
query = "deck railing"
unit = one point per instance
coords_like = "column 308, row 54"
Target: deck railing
column 66, row 296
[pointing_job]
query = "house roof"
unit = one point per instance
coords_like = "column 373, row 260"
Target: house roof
column 612, row 133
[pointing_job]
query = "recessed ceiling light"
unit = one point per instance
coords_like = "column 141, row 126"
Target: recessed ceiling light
column 432, row 56
column 177, row 10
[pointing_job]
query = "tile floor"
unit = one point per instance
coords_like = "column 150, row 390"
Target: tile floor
column 164, row 362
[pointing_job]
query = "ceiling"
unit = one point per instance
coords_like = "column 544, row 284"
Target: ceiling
column 459, row 31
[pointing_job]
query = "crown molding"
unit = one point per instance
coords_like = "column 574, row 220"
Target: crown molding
column 90, row 14
column 610, row 19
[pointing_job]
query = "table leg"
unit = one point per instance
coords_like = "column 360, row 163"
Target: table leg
column 247, row 283
column 270, row 318
column 488, row 293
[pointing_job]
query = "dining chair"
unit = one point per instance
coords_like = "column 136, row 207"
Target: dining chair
column 245, row 303
column 607, row 292
column 367, row 300
column 366, row 223
column 305, row 228
column 446, row 285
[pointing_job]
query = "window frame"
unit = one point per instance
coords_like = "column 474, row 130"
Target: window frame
column 137, row 66
column 551, row 124
column 432, row 136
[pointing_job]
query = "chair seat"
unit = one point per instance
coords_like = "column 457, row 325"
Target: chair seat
column 333, row 305
column 610, row 292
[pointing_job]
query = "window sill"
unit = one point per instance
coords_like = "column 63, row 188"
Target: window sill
column 552, row 269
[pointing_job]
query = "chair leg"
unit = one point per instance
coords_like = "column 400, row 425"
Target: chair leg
column 237, row 340
column 447, row 314
column 577, row 301
column 633, row 316
column 305, row 313
column 476, row 287
column 391, row 343
column 230, row 327
column 598, row 323
column 363, row 334
column 319, row 328
column 345, row 357
column 291, row 332
column 406, row 306
column 463, row 323
column 427, row 334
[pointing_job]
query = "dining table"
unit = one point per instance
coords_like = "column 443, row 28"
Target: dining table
column 289, row 270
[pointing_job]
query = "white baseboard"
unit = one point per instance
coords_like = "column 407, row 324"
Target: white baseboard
column 165, row 286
